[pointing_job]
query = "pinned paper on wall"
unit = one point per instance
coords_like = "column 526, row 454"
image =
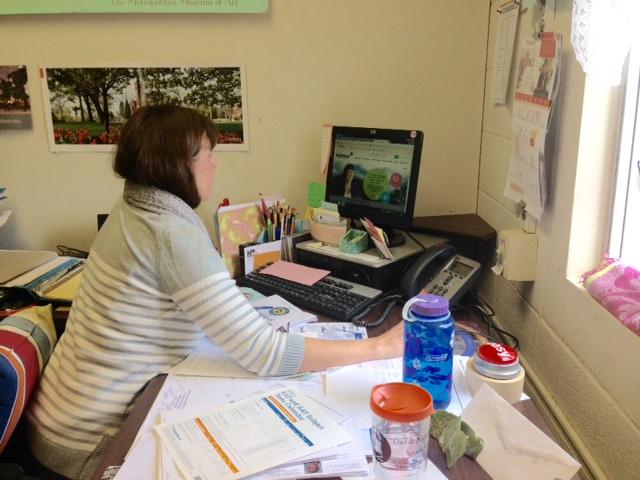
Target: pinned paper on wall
column 505, row 40
column 15, row 102
column 325, row 147
column 537, row 80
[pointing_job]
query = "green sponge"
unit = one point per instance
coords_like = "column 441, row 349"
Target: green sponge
column 456, row 438
column 474, row 443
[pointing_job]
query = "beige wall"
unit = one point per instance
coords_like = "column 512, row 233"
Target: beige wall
column 583, row 360
column 409, row 64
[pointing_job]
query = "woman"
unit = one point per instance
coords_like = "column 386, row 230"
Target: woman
column 152, row 288
column 351, row 186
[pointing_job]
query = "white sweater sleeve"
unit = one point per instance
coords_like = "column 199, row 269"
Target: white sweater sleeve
column 200, row 285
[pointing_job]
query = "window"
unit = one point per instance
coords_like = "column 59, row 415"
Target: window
column 624, row 240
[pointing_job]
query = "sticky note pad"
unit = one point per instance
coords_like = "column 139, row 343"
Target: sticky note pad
column 295, row 273
column 315, row 194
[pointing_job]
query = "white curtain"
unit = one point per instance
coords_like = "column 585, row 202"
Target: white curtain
column 602, row 33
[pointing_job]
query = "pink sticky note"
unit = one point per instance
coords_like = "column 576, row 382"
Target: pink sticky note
column 295, row 273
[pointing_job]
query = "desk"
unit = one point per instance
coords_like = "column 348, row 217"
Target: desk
column 464, row 469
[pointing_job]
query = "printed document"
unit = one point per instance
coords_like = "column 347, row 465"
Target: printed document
column 346, row 460
column 331, row 330
column 280, row 313
column 251, row 435
column 350, row 386
column 182, row 395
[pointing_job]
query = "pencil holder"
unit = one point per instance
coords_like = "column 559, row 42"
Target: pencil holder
column 354, row 241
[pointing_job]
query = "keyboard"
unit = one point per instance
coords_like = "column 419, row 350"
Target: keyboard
column 336, row 298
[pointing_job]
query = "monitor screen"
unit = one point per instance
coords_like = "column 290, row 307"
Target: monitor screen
column 373, row 173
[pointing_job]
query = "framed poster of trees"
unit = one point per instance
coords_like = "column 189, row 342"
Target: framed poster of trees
column 15, row 104
column 87, row 107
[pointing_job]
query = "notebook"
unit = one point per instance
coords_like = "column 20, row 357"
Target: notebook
column 16, row 262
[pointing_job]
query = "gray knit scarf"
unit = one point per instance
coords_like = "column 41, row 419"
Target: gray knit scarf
column 156, row 200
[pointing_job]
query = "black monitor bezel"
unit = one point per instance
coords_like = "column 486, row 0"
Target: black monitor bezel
column 381, row 218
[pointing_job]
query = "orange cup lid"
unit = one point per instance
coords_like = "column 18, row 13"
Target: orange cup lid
column 401, row 402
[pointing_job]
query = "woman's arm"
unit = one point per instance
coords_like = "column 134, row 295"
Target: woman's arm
column 322, row 354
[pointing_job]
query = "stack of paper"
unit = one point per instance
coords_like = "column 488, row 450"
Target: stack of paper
column 182, row 400
column 17, row 263
column 56, row 279
column 251, row 435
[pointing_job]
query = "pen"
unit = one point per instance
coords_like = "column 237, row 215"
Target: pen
column 269, row 229
column 265, row 211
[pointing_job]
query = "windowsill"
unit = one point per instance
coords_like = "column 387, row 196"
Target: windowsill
column 602, row 312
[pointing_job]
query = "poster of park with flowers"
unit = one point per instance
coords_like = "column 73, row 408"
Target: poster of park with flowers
column 88, row 106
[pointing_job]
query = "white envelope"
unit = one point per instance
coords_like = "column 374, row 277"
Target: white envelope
column 514, row 444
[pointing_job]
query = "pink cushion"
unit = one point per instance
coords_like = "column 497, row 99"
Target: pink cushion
column 27, row 339
column 616, row 287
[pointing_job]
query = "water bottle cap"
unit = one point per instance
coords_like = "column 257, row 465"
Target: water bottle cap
column 497, row 361
column 401, row 402
column 430, row 305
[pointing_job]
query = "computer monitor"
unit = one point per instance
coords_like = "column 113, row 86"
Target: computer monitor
column 373, row 173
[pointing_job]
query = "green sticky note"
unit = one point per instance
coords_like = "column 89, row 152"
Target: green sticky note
column 315, row 194
column 329, row 206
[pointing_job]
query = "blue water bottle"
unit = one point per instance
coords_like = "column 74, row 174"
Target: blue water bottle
column 428, row 346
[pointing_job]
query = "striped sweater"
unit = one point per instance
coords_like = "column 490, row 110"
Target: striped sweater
column 152, row 288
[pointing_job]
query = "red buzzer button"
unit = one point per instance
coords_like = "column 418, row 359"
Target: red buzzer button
column 498, row 354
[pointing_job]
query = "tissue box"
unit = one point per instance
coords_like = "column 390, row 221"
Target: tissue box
column 355, row 241
column 329, row 233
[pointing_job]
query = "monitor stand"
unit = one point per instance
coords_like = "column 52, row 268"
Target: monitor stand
column 395, row 237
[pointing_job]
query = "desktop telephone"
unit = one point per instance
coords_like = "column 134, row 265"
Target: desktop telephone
column 438, row 270
column 441, row 271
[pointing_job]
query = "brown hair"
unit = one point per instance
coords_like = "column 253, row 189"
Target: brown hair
column 157, row 146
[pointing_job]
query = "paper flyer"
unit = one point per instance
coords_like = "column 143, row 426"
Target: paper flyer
column 280, row 313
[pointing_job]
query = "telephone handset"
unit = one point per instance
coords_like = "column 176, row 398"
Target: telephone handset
column 441, row 271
